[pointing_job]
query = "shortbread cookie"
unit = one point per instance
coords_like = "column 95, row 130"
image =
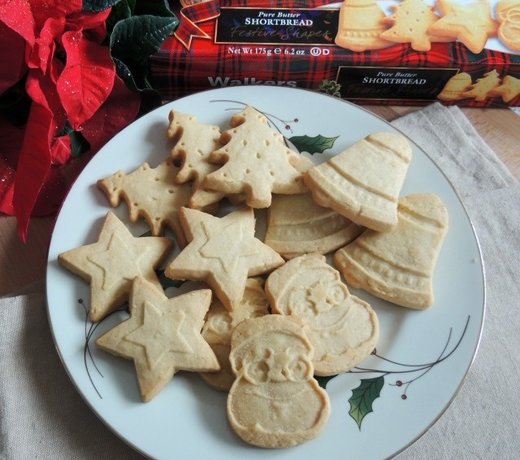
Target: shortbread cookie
column 360, row 25
column 508, row 14
column 455, row 87
column 162, row 336
column 222, row 251
column 483, row 87
column 255, row 161
column 150, row 193
column 220, row 324
column 194, row 142
column 274, row 401
column 470, row 23
column 363, row 182
column 409, row 23
column 297, row 225
column 342, row 328
column 111, row 264
column 398, row 266
column 508, row 90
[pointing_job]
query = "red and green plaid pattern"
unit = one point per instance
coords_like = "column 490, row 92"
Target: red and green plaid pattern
column 189, row 63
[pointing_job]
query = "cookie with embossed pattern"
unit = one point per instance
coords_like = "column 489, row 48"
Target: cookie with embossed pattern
column 398, row 266
column 296, row 225
column 222, row 251
column 274, row 401
column 342, row 328
column 193, row 144
column 220, row 323
column 112, row 262
column 151, row 193
column 162, row 336
column 255, row 161
column 363, row 182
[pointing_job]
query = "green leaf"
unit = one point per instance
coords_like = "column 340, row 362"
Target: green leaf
column 135, row 80
column 316, row 144
column 138, row 37
column 98, row 5
column 122, row 10
column 78, row 144
column 363, row 397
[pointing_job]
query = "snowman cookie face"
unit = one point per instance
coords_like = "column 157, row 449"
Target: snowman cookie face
column 274, row 400
column 342, row 328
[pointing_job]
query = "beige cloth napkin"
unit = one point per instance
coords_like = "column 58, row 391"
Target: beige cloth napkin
column 42, row 415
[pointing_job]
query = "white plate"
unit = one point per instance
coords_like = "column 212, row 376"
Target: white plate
column 431, row 349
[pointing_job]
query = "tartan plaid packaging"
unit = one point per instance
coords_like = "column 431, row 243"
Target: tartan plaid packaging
column 293, row 43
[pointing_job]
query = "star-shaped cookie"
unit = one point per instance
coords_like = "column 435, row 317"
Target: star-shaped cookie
column 162, row 336
column 111, row 263
column 222, row 251
column 255, row 161
column 470, row 23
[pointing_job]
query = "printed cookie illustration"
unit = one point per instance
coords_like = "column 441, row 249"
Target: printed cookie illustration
column 274, row 401
column 150, row 193
column 470, row 23
column 342, row 328
column 409, row 23
column 111, row 264
column 508, row 90
column 220, row 324
column 194, row 142
column 255, row 161
column 508, row 14
column 297, row 225
column 398, row 265
column 360, row 25
column 363, row 182
column 483, row 87
column 455, row 87
column 222, row 251
column 162, row 336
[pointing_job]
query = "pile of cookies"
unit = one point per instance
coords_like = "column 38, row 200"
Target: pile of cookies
column 273, row 312
column 461, row 86
column 364, row 26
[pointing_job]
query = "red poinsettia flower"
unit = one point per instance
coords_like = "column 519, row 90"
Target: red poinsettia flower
column 72, row 82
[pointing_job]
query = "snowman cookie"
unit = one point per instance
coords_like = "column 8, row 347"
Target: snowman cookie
column 274, row 401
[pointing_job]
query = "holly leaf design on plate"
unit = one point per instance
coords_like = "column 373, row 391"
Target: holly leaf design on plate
column 313, row 144
column 363, row 397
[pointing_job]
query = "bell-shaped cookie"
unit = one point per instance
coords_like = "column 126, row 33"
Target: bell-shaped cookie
column 364, row 181
column 398, row 266
column 455, row 87
column 359, row 26
column 296, row 225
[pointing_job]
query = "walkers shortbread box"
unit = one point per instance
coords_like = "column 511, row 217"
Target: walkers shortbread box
column 406, row 52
